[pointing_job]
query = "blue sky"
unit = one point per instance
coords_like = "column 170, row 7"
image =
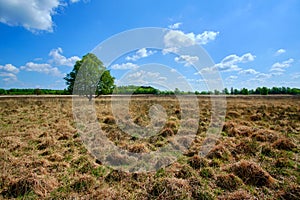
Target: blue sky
column 252, row 43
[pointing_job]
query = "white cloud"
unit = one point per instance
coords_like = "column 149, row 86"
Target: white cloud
column 295, row 75
column 280, row 66
column 9, row 68
column 248, row 71
column 231, row 77
column 176, row 39
column 125, row 66
column 162, row 78
column 187, row 59
column 175, row 26
column 74, row 1
column 42, row 68
column 34, row 15
column 144, row 74
column 279, row 52
column 263, row 76
column 229, row 63
column 206, row 37
column 141, row 53
column 59, row 59
column 8, row 77
column 169, row 50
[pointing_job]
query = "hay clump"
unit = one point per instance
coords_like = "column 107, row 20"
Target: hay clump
column 229, row 182
column 284, row 144
column 251, row 173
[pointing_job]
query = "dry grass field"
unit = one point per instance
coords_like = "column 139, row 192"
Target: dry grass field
column 256, row 157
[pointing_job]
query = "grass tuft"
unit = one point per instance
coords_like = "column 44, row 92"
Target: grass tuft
column 251, row 173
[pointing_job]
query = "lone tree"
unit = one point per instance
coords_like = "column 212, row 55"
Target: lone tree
column 89, row 77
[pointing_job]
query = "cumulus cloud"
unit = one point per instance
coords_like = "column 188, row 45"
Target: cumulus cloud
column 206, row 37
column 281, row 66
column 34, row 15
column 141, row 53
column 42, row 68
column 279, row 52
column 249, row 71
column 9, row 68
column 230, row 63
column 176, row 39
column 175, row 26
column 186, row 59
column 59, row 59
column 8, row 77
column 125, row 66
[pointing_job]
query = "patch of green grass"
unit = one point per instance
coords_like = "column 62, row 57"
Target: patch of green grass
column 206, row 172
column 99, row 171
column 160, row 173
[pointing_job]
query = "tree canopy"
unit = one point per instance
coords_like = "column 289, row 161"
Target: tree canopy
column 89, row 77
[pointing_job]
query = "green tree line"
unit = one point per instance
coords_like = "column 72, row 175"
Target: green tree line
column 133, row 89
column 30, row 91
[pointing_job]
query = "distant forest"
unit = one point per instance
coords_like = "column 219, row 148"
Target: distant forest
column 132, row 89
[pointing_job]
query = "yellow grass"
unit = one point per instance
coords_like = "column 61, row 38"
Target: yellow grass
column 42, row 155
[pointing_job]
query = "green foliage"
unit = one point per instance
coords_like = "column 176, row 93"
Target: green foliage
column 133, row 89
column 244, row 91
column 225, row 91
column 37, row 91
column 264, row 91
column 2, row 91
column 15, row 91
column 89, row 77
column 106, row 84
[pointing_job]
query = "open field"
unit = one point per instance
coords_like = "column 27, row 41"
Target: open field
column 256, row 157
